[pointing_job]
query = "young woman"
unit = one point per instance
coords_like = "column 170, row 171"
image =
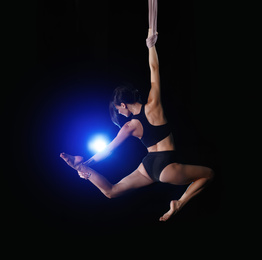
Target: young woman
column 149, row 124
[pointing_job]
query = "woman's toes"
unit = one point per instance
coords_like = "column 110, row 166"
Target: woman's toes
column 166, row 216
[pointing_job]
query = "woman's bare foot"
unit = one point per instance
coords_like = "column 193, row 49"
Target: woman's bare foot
column 175, row 206
column 72, row 161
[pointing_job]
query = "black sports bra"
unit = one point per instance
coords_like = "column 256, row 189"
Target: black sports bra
column 151, row 134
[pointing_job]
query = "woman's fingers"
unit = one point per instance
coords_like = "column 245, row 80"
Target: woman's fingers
column 83, row 175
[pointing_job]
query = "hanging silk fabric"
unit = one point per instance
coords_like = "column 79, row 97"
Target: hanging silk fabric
column 152, row 15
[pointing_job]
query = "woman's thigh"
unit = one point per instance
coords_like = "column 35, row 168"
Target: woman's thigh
column 181, row 174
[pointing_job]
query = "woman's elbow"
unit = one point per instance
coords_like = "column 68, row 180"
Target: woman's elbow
column 154, row 66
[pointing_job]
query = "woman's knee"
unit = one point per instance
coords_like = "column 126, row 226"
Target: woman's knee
column 110, row 194
column 113, row 192
column 210, row 175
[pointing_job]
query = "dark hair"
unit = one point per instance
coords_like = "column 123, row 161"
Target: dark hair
column 126, row 94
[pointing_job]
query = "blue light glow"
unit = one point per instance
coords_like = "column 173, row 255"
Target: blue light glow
column 98, row 143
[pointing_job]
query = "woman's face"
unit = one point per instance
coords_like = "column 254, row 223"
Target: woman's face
column 123, row 110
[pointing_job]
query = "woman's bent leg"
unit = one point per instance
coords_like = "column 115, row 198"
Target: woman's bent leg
column 187, row 172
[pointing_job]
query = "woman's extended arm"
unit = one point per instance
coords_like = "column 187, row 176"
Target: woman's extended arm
column 126, row 131
column 154, row 94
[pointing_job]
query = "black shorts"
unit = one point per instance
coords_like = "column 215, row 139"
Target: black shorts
column 155, row 162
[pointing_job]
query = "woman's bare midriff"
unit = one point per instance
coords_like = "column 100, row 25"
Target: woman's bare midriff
column 166, row 144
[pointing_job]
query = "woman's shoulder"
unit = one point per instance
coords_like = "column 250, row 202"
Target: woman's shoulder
column 134, row 127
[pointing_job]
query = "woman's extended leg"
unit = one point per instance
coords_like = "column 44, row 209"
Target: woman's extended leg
column 184, row 174
column 133, row 181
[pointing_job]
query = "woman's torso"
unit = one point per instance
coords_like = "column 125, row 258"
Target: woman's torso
column 155, row 116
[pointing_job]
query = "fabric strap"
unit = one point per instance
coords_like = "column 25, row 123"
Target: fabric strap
column 152, row 15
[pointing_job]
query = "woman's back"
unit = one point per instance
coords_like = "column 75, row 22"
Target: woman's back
column 153, row 128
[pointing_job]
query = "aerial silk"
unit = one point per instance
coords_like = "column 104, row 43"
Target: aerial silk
column 152, row 15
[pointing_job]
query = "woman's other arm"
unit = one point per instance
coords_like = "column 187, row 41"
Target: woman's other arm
column 126, row 131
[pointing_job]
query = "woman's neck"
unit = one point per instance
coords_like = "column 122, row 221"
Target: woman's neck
column 134, row 108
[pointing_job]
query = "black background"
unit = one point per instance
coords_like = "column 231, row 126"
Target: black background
column 66, row 58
